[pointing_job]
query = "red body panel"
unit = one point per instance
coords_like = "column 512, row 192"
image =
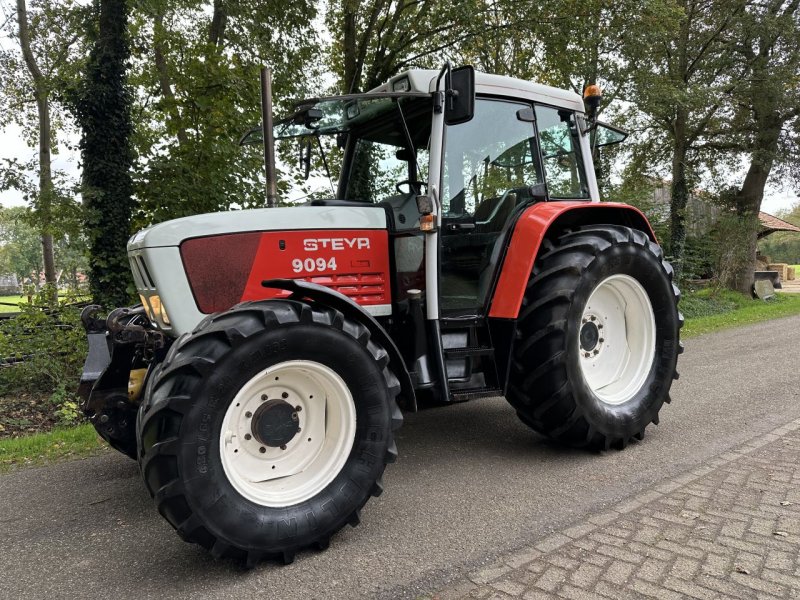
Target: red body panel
column 524, row 247
column 226, row 269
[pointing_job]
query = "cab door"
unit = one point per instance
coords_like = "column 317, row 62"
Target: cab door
column 489, row 166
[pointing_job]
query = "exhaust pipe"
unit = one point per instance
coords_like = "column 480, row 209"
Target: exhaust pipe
column 269, row 140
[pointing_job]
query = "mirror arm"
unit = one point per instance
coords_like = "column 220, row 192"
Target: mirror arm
column 437, row 101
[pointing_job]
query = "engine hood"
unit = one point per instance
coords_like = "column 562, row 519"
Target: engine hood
column 292, row 218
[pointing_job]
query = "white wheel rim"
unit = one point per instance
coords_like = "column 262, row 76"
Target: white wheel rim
column 300, row 469
column 617, row 339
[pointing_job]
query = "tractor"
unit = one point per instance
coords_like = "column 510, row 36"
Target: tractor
column 465, row 254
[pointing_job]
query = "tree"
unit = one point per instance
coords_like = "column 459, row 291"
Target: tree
column 375, row 39
column 683, row 83
column 32, row 74
column 766, row 125
column 102, row 106
column 196, row 68
column 20, row 245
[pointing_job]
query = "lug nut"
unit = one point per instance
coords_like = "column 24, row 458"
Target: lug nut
column 247, row 436
column 596, row 352
column 593, row 318
column 599, row 325
column 283, row 447
column 284, row 395
column 601, row 340
column 586, row 355
column 248, row 414
column 298, row 408
column 263, row 397
column 262, row 449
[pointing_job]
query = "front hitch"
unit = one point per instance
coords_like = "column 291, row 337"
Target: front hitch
column 122, row 348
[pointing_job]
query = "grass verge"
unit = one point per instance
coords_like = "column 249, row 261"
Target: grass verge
column 708, row 311
column 10, row 304
column 40, row 448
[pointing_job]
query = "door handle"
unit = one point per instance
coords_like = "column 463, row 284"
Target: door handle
column 460, row 226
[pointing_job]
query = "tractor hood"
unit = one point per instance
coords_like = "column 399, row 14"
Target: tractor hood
column 293, row 218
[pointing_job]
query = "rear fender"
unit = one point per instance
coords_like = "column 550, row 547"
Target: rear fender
column 328, row 297
column 533, row 226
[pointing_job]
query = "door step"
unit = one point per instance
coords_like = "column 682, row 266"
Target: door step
column 465, row 394
column 468, row 351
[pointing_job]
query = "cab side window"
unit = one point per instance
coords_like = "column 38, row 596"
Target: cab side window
column 561, row 153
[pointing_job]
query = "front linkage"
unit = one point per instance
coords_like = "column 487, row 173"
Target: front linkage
column 122, row 348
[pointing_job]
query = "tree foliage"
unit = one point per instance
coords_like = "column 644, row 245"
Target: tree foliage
column 196, row 68
column 34, row 70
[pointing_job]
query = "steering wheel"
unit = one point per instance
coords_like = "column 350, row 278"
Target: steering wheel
column 413, row 186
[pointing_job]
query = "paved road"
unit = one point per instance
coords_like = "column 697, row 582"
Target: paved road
column 471, row 484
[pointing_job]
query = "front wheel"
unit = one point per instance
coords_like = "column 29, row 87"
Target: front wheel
column 597, row 338
column 267, row 429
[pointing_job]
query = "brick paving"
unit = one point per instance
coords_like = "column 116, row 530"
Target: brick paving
column 729, row 529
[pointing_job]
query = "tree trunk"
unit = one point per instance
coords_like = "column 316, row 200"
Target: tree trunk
column 352, row 71
column 103, row 110
column 679, row 195
column 748, row 202
column 41, row 94
column 216, row 31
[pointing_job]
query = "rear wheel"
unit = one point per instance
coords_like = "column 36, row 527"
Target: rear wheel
column 597, row 338
column 267, row 429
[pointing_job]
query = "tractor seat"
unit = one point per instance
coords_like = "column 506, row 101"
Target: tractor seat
column 491, row 214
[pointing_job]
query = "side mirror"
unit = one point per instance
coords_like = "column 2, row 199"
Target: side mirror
column 460, row 99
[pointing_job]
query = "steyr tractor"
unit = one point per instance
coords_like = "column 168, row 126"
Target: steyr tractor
column 466, row 254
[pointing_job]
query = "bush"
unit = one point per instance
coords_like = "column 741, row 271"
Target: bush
column 698, row 258
column 44, row 348
column 711, row 301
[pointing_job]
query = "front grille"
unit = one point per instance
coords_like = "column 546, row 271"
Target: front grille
column 141, row 274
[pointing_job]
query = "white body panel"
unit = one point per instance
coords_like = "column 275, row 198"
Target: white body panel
column 158, row 247
column 172, row 233
column 424, row 80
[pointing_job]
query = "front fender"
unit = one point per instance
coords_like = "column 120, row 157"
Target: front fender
column 329, row 297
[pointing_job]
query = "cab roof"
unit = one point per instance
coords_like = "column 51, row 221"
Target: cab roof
column 424, row 80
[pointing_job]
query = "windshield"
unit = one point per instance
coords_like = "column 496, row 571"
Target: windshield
column 372, row 142
column 339, row 114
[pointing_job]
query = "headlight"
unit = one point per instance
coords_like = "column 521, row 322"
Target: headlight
column 147, row 308
column 155, row 309
column 159, row 310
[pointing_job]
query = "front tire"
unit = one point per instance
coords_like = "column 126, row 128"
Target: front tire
column 268, row 428
column 597, row 338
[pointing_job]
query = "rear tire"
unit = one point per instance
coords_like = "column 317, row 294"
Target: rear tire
column 597, row 338
column 277, row 387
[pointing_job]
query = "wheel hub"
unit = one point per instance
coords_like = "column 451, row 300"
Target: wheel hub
column 275, row 423
column 589, row 336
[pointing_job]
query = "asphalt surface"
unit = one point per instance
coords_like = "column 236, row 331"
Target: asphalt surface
column 471, row 483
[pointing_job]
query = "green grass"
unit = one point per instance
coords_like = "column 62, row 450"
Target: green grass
column 708, row 311
column 15, row 300
column 40, row 448
column 10, row 304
